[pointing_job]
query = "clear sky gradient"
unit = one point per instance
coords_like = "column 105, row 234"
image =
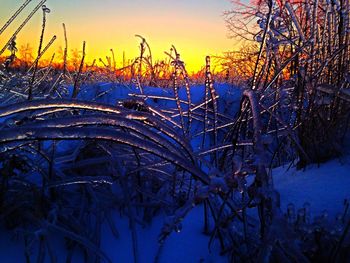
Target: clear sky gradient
column 195, row 27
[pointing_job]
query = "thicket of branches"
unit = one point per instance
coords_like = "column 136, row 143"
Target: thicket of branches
column 300, row 61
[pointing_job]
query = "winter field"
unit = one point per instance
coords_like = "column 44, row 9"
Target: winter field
column 322, row 189
column 247, row 160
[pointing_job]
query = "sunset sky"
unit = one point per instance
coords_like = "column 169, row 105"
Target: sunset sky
column 195, row 27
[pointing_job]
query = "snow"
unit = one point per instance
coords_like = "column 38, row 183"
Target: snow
column 188, row 245
column 324, row 187
column 109, row 93
column 10, row 247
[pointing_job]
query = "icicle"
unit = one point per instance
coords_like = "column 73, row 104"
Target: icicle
column 209, row 83
column 14, row 16
column 176, row 65
column 22, row 25
column 295, row 21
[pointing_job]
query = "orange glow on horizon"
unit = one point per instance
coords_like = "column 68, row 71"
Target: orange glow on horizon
column 194, row 34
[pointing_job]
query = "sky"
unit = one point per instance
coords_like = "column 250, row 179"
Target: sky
column 195, row 27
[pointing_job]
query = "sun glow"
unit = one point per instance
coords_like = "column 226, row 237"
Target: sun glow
column 195, row 27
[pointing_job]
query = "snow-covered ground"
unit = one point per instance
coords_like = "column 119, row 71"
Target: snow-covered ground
column 187, row 245
column 324, row 187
